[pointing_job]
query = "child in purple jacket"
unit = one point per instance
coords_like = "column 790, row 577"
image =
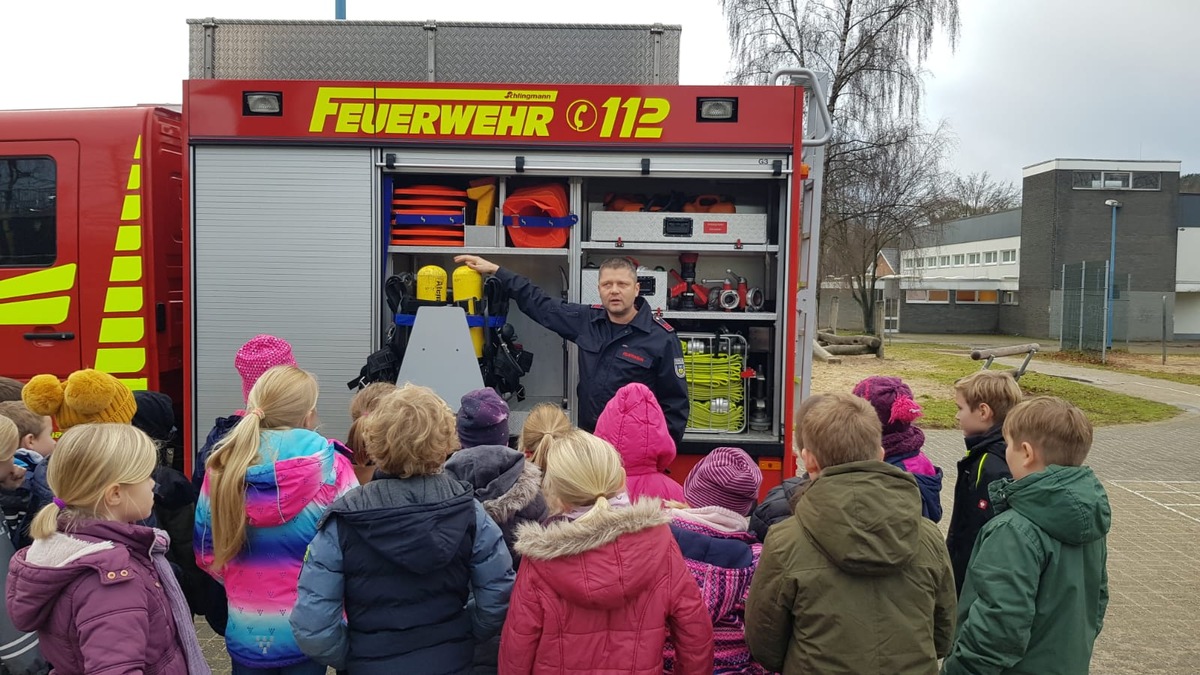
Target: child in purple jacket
column 96, row 586
column 902, row 442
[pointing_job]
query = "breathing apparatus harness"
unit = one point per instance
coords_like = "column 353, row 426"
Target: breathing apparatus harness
column 504, row 360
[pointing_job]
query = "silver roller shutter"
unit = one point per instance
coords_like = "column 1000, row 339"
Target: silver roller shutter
column 282, row 243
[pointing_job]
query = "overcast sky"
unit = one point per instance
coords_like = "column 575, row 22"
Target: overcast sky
column 1030, row 80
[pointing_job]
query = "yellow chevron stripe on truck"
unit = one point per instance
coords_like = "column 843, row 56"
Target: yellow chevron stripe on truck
column 52, row 280
column 123, row 326
column 39, row 311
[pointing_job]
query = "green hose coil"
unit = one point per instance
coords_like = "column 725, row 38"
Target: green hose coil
column 716, row 391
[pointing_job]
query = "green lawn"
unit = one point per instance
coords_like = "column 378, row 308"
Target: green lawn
column 1120, row 364
column 932, row 370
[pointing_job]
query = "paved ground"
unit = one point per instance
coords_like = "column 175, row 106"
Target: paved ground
column 1185, row 396
column 1152, row 474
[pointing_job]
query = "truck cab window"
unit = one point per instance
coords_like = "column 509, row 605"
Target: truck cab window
column 27, row 212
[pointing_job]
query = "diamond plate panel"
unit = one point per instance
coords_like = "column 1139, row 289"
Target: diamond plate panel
column 553, row 54
column 465, row 52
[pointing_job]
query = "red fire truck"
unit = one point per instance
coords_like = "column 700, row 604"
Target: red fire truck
column 91, row 257
column 312, row 185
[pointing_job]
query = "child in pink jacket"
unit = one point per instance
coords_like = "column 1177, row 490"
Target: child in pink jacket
column 634, row 424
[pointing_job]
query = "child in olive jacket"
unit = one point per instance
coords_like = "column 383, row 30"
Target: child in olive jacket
column 857, row 581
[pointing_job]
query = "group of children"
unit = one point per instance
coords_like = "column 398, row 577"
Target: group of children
column 426, row 544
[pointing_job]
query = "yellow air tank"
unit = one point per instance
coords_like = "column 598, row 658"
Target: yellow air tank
column 431, row 283
column 468, row 291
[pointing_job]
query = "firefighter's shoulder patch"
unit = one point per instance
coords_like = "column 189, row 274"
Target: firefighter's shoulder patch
column 680, row 371
column 663, row 323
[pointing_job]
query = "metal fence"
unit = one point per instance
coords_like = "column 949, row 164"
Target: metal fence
column 1085, row 306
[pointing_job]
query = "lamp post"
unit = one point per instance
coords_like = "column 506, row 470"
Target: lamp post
column 1112, row 259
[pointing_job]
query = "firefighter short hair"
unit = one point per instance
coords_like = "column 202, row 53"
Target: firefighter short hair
column 619, row 264
column 1059, row 430
column 10, row 389
column 27, row 421
column 997, row 388
column 411, row 432
column 838, row 428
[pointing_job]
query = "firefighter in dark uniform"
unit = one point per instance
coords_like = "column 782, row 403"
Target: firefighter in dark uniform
column 620, row 340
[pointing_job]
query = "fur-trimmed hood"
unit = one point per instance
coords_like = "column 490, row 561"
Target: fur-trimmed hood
column 504, row 482
column 599, row 560
column 525, row 491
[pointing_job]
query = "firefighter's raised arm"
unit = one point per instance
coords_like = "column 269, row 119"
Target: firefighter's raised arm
column 565, row 318
column 476, row 263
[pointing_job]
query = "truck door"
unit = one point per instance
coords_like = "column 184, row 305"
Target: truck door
column 39, row 258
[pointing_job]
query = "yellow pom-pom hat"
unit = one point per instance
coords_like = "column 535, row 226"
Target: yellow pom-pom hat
column 85, row 396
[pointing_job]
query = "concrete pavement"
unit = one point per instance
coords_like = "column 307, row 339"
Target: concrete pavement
column 1184, row 396
column 1152, row 475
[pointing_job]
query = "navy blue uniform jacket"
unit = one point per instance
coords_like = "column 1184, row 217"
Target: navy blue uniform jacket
column 611, row 355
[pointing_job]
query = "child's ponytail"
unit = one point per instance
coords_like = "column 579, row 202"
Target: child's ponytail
column 582, row 471
column 88, row 460
column 545, row 423
column 281, row 399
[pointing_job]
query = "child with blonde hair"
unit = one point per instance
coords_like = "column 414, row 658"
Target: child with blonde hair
column 1037, row 587
column 95, row 585
column 407, row 572
column 603, row 586
column 267, row 485
column 983, row 399
column 545, row 423
column 11, row 475
column 14, row 493
column 361, row 405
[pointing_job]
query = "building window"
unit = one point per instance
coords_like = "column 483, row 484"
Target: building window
column 1147, row 180
column 944, row 261
column 1008, row 297
column 1009, row 256
column 1086, row 180
column 976, row 297
column 931, row 261
column 919, row 262
column 959, row 259
column 1116, row 180
column 28, row 192
column 972, row 258
column 990, row 257
column 924, row 296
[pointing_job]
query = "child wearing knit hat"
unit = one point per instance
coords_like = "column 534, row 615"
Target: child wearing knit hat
column 257, row 356
column 893, row 402
column 482, row 419
column 721, row 491
column 85, row 396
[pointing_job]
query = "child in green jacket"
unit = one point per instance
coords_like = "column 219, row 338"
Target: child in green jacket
column 1037, row 587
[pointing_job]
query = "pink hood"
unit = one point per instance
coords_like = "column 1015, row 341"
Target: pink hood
column 634, row 423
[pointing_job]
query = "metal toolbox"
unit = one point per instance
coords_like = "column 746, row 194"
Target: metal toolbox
column 662, row 226
column 653, row 283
